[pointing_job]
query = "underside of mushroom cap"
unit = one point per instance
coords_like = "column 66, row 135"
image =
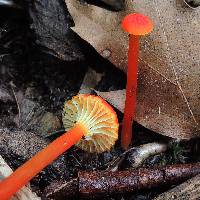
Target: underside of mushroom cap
column 137, row 24
column 99, row 119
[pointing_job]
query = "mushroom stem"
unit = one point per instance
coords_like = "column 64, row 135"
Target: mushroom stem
column 135, row 24
column 32, row 167
column 82, row 116
column 131, row 89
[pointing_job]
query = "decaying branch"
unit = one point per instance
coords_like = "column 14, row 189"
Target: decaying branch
column 129, row 181
column 25, row 193
column 188, row 190
column 105, row 183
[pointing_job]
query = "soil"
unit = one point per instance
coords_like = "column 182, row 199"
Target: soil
column 33, row 74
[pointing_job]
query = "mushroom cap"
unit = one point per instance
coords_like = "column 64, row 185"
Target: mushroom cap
column 137, row 24
column 99, row 119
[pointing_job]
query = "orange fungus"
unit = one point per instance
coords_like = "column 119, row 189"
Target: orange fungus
column 83, row 115
column 135, row 24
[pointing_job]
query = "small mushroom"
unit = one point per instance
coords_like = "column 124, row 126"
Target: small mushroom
column 90, row 123
column 99, row 119
column 136, row 25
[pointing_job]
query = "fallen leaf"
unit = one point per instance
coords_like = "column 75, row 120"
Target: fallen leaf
column 169, row 71
column 51, row 23
column 116, row 98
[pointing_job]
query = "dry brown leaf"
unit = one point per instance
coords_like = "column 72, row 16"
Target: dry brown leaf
column 169, row 72
column 116, row 98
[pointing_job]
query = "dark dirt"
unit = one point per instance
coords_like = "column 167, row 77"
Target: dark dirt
column 43, row 63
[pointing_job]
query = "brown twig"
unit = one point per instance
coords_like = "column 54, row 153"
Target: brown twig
column 104, row 183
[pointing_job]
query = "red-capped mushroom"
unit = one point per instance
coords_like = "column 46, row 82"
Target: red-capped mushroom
column 84, row 115
column 136, row 25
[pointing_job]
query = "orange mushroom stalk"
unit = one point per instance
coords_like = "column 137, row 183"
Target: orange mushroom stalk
column 83, row 115
column 135, row 24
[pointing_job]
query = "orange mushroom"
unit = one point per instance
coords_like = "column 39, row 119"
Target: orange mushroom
column 91, row 124
column 135, row 24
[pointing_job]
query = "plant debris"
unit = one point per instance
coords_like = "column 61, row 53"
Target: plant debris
column 106, row 183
